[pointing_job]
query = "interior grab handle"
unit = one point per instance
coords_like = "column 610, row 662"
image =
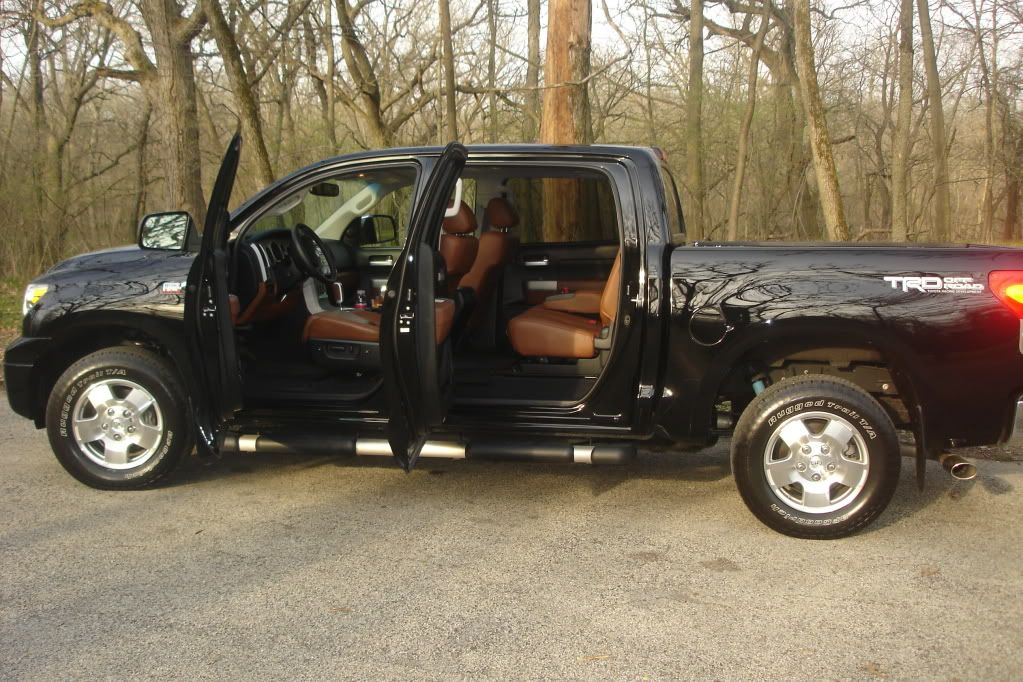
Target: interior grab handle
column 381, row 260
column 540, row 262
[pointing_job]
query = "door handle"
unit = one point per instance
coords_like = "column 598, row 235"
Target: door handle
column 543, row 261
column 381, row 260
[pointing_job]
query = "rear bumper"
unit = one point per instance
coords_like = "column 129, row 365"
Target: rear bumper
column 21, row 373
column 1015, row 437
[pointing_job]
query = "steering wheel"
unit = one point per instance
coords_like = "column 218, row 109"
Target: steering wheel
column 311, row 255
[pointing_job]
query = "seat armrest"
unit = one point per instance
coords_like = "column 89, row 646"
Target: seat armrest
column 602, row 341
column 582, row 302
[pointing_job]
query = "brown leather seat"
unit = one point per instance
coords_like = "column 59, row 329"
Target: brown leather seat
column 459, row 245
column 495, row 250
column 547, row 332
column 364, row 325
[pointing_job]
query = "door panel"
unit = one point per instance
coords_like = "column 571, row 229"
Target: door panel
column 208, row 323
column 417, row 385
column 540, row 270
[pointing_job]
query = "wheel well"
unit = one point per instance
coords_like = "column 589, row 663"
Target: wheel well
column 73, row 346
column 866, row 367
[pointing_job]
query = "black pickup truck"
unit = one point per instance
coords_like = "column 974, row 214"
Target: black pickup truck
column 519, row 302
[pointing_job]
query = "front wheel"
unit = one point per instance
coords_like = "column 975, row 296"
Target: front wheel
column 815, row 457
column 117, row 419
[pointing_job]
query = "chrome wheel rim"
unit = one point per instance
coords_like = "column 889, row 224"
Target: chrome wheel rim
column 816, row 462
column 117, row 424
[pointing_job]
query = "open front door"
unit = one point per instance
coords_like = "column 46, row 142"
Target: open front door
column 208, row 311
column 408, row 346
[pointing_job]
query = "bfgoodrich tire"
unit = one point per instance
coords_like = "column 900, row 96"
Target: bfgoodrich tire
column 117, row 419
column 815, row 457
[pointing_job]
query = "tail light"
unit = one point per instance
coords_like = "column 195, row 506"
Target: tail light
column 1007, row 285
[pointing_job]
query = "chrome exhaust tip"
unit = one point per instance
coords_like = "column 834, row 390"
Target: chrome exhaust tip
column 959, row 468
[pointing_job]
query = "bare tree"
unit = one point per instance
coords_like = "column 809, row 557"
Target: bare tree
column 694, row 123
column 820, row 141
column 902, row 143
column 448, row 59
column 742, row 148
column 942, row 204
column 566, row 107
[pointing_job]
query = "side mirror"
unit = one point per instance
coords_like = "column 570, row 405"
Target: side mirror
column 171, row 231
column 377, row 229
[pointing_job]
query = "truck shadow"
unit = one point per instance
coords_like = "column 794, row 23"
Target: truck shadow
column 511, row 478
column 938, row 486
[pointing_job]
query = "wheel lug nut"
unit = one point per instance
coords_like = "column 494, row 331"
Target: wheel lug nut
column 110, row 412
column 806, row 450
column 127, row 413
column 117, row 436
column 816, row 477
column 131, row 429
column 831, row 467
column 801, row 467
column 825, row 449
column 105, row 426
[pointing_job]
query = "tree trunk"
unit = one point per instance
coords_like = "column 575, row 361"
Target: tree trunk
column 173, row 97
column 531, row 125
column 940, row 230
column 742, row 151
column 820, row 142
column 245, row 100
column 566, row 110
column 376, row 133
column 141, row 179
column 448, row 53
column 1010, row 229
column 901, row 139
column 492, row 119
column 694, row 124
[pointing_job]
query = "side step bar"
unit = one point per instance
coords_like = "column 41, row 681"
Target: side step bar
column 503, row 451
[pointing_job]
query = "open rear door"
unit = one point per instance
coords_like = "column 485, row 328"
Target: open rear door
column 407, row 335
column 208, row 323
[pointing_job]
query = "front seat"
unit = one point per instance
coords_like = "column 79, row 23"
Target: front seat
column 459, row 245
column 495, row 249
column 547, row 330
column 364, row 326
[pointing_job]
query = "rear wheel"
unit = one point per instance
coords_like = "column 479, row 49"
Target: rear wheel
column 117, row 419
column 815, row 457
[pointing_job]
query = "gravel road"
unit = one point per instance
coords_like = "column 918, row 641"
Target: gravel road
column 260, row 567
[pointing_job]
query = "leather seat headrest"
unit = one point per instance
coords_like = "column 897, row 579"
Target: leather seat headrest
column 501, row 215
column 463, row 222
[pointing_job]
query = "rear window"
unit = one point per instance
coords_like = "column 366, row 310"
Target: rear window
column 594, row 218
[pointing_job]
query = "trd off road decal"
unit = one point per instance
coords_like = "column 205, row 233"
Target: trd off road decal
column 930, row 284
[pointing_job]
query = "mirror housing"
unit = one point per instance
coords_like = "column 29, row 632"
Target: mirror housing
column 325, row 189
column 168, row 231
column 377, row 228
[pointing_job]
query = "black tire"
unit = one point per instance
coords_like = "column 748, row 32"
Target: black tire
column 779, row 407
column 118, row 368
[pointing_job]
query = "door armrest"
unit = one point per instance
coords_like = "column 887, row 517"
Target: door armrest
column 582, row 302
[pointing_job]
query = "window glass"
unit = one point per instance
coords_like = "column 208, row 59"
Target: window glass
column 330, row 205
column 562, row 210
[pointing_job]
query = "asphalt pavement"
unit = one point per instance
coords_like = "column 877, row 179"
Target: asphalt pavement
column 310, row 568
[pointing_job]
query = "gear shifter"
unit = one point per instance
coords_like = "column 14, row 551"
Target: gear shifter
column 336, row 294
